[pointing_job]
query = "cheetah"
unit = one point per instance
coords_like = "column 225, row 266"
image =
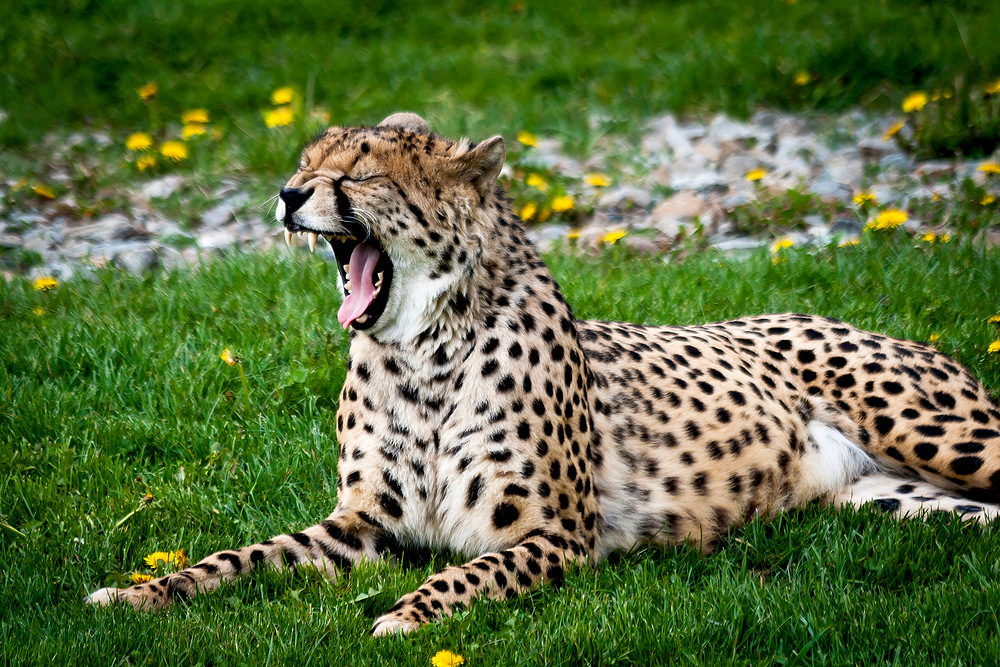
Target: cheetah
column 479, row 416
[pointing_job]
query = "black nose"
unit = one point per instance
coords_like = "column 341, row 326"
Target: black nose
column 294, row 198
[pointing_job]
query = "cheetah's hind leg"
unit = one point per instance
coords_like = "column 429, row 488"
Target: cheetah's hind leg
column 911, row 497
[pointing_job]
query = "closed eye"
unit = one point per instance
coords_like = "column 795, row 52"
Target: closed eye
column 365, row 177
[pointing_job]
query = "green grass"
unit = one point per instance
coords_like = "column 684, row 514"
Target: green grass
column 479, row 67
column 117, row 391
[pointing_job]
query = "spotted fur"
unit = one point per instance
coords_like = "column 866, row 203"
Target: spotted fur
column 479, row 416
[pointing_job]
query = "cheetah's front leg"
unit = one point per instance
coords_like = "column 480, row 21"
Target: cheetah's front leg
column 498, row 575
column 331, row 546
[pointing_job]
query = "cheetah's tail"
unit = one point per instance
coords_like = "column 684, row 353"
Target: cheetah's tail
column 911, row 497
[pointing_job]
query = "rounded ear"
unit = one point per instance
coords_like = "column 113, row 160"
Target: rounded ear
column 405, row 120
column 481, row 166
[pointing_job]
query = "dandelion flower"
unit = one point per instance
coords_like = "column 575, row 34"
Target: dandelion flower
column 988, row 199
column 140, row 578
column 994, row 347
column 192, row 130
column 145, row 162
column 528, row 211
column 544, row 214
column 45, row 283
column 994, row 319
column 574, row 234
column 944, row 238
column 893, row 130
column 526, row 138
column 755, row 174
column 44, row 191
column 139, row 141
column 195, row 116
column 282, row 96
column 802, row 77
column 447, row 659
column 279, row 117
column 562, row 204
column 612, row 238
column 148, row 91
column 888, row 219
column 990, row 168
column 915, row 101
column 174, row 150
column 597, row 180
column 993, row 88
column 933, row 338
column 536, row 181
column 176, row 558
column 38, row 311
column 781, row 244
column 929, row 237
column 849, row 242
column 228, row 357
column 863, row 198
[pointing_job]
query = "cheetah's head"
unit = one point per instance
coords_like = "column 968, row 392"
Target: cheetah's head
column 404, row 211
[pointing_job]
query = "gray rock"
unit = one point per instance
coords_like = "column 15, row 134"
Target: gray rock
column 163, row 187
column 217, row 239
column 741, row 243
column 735, row 168
column 222, row 213
column 828, row 189
column 846, row 227
column 624, row 197
column 111, row 227
column 936, row 169
column 876, row 148
column 137, row 261
column 40, row 239
column 845, row 169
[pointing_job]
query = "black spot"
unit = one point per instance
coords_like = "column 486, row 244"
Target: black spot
column 892, row 387
column 475, row 488
column 931, row 431
column 806, row 356
column 944, row 400
column 504, row 515
column 884, row 424
column 886, row 504
column 966, row 465
column 925, row 450
column 390, row 505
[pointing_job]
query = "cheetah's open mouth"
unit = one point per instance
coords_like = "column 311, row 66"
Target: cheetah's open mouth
column 365, row 270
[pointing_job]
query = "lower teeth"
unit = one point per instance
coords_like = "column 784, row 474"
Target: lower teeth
column 362, row 319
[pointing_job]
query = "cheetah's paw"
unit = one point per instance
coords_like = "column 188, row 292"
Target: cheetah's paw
column 391, row 624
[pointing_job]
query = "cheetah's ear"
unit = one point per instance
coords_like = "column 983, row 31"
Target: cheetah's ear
column 405, row 120
column 481, row 166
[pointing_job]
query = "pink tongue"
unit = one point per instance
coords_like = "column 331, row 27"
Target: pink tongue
column 364, row 258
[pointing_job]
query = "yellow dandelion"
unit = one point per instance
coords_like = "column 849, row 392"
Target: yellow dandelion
column 994, row 347
column 612, row 238
column 989, row 168
column 447, row 659
column 994, row 319
column 44, row 191
column 536, row 181
column 148, row 91
column 944, row 238
column 45, row 283
column 228, row 357
column 192, row 130
column 139, row 141
column 863, row 198
column 140, row 578
column 893, row 130
column 544, row 214
column 573, row 234
column 755, row 174
column 195, row 116
column 38, row 311
column 158, row 558
column 849, row 242
column 888, row 219
column 526, row 138
column 915, row 101
column 802, row 77
column 933, row 338
column 279, row 117
column 988, row 199
column 282, row 95
column 145, row 162
column 929, row 237
column 528, row 211
column 597, row 180
column 174, row 150
column 781, row 244
column 562, row 204
column 993, row 88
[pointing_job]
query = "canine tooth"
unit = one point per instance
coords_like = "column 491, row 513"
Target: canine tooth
column 378, row 288
column 300, row 234
column 362, row 319
column 347, row 268
column 288, row 238
column 380, row 275
column 312, row 237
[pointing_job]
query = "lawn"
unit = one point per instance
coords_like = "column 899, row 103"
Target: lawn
column 124, row 433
